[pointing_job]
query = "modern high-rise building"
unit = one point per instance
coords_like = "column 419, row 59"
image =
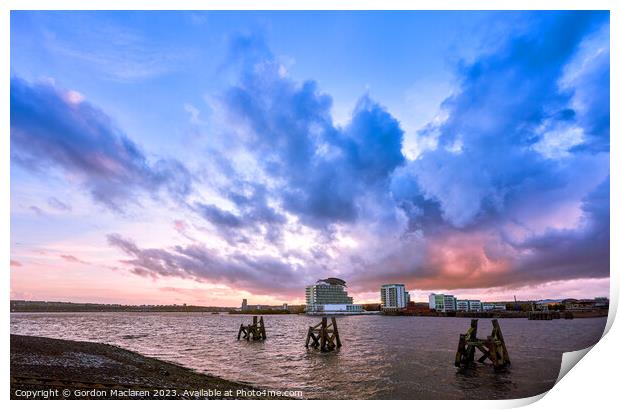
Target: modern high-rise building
column 442, row 303
column 394, row 296
column 330, row 296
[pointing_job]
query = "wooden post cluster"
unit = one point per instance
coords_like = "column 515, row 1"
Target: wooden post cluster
column 324, row 335
column 492, row 348
column 255, row 331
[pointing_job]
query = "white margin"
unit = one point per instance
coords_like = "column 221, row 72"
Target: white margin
column 592, row 382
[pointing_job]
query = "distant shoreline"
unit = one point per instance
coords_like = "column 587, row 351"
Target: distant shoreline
column 471, row 315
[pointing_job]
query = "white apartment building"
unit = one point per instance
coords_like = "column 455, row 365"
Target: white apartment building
column 394, row 296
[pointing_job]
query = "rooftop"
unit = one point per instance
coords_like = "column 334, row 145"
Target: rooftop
column 334, row 281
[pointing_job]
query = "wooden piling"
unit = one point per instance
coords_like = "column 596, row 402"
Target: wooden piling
column 254, row 331
column 324, row 336
column 338, row 344
column 492, row 348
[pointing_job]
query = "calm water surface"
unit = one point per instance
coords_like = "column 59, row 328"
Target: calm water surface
column 383, row 357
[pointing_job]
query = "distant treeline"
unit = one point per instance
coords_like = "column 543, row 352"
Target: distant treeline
column 42, row 306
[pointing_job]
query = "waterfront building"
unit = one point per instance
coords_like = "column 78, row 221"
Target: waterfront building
column 586, row 304
column 493, row 306
column 442, row 303
column 449, row 302
column 435, row 302
column 394, row 296
column 466, row 305
column 475, row 305
column 462, row 305
column 330, row 296
column 601, row 303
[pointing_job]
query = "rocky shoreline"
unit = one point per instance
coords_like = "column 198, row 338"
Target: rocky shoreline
column 45, row 368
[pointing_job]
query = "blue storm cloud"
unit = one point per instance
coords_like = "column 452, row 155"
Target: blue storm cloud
column 325, row 169
column 55, row 129
column 511, row 104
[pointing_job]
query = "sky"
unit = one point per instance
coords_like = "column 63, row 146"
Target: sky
column 205, row 157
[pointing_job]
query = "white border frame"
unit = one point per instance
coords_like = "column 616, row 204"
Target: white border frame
column 591, row 383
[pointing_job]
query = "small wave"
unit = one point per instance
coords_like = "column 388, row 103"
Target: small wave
column 128, row 337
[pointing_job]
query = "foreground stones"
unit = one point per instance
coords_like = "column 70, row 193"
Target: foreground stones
column 61, row 369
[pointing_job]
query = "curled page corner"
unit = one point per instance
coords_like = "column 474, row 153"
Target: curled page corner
column 569, row 360
column 516, row 403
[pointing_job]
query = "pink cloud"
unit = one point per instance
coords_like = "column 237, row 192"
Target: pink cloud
column 72, row 258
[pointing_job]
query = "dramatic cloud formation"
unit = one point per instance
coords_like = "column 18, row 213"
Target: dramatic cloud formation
column 518, row 134
column 258, row 274
column 512, row 191
column 321, row 171
column 53, row 128
column 498, row 126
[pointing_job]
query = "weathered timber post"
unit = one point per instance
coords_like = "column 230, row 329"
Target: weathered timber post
column 241, row 330
column 472, row 333
column 338, row 344
column 493, row 348
column 254, row 331
column 263, row 332
column 324, row 336
column 459, row 350
column 503, row 359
